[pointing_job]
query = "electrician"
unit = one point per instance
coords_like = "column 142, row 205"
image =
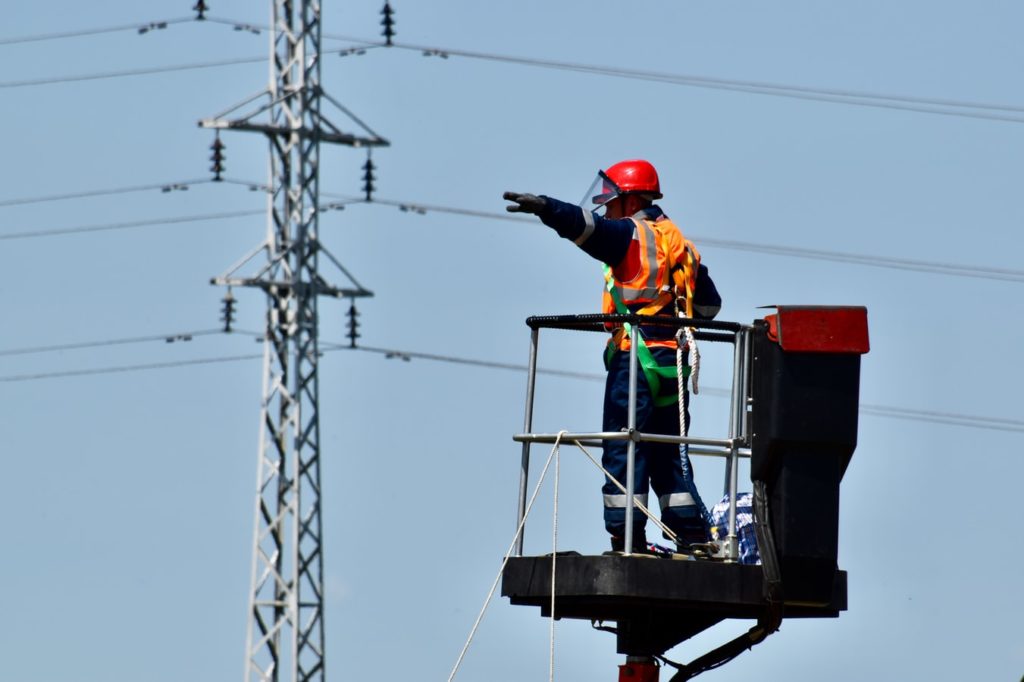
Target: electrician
column 650, row 269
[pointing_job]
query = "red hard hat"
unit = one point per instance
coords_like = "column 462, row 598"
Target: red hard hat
column 635, row 176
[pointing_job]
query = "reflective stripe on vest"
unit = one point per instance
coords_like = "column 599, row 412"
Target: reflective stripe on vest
column 649, row 254
column 667, row 270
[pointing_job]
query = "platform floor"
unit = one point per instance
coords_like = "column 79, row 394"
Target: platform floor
column 656, row 602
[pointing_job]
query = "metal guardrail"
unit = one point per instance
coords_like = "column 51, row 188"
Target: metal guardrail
column 734, row 446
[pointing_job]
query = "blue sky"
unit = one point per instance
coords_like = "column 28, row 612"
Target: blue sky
column 129, row 494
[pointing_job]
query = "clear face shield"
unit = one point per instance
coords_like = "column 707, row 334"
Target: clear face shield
column 601, row 191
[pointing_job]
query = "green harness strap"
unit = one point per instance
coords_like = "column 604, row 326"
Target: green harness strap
column 652, row 370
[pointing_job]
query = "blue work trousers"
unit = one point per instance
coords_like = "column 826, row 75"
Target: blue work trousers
column 665, row 467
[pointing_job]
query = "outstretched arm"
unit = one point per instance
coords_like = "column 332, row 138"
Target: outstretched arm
column 601, row 238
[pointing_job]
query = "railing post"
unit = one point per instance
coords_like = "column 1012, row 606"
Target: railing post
column 736, row 426
column 631, row 445
column 745, row 386
column 524, row 467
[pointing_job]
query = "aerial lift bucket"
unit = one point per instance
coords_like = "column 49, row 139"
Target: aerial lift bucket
column 795, row 405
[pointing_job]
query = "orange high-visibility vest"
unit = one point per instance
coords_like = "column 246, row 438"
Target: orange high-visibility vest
column 662, row 267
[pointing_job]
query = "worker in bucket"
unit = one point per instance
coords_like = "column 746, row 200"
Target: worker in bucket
column 650, row 269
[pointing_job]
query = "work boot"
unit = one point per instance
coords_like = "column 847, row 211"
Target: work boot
column 694, row 534
column 691, row 538
column 639, row 544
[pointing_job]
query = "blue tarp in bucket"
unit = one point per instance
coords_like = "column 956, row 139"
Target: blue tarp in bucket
column 744, row 526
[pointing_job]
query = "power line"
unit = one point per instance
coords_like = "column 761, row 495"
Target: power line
column 126, row 368
column 423, row 209
column 142, row 27
column 945, row 107
column 953, row 418
column 238, row 25
column 934, row 267
column 907, row 414
column 165, row 187
column 166, row 338
column 758, row 87
column 409, row 355
column 145, row 71
column 32, row 234
column 939, row 106
column 875, row 100
column 949, row 418
column 952, row 269
column 130, row 72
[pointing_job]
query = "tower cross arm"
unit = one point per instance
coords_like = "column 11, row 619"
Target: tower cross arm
column 319, row 288
column 332, row 136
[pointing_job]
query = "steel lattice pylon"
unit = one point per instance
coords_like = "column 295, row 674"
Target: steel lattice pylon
column 285, row 631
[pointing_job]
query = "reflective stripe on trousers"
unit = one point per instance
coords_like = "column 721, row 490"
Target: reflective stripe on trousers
column 676, row 500
column 619, row 501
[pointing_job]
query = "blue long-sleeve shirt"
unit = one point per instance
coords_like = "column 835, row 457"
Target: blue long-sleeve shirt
column 608, row 241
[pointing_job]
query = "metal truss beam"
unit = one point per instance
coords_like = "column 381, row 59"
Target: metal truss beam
column 285, row 634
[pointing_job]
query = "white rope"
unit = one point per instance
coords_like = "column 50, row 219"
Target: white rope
column 554, row 555
column 639, row 505
column 694, row 359
column 694, row 362
column 504, row 562
column 683, row 426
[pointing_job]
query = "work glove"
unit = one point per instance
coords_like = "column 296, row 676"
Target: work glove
column 525, row 203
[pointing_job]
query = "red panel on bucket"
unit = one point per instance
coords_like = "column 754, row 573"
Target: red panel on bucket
column 820, row 329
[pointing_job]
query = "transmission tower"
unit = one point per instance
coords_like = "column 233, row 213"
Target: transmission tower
column 285, row 634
